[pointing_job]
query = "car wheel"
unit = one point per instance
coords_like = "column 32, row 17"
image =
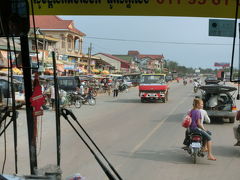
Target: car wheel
column 232, row 119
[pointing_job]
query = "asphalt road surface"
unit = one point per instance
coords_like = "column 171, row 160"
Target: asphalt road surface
column 141, row 140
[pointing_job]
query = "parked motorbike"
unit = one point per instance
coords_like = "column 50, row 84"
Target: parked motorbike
column 94, row 91
column 195, row 146
column 123, row 88
column 72, row 98
column 88, row 98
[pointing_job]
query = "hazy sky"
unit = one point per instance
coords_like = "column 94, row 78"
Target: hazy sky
column 177, row 38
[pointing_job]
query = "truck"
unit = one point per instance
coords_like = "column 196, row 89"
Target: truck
column 153, row 87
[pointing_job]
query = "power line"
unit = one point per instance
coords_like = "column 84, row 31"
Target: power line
column 158, row 42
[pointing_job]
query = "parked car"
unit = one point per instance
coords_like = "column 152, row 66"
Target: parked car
column 5, row 92
column 211, row 80
column 218, row 101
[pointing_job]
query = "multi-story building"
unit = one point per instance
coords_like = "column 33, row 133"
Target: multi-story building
column 62, row 37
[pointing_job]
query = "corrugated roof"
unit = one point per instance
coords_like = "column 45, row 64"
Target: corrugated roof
column 54, row 22
column 141, row 56
column 124, row 57
column 114, row 57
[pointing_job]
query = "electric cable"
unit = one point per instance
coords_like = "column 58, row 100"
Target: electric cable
column 14, row 108
column 5, row 148
column 158, row 42
column 40, row 141
column 64, row 113
column 233, row 50
column 35, row 37
column 5, row 140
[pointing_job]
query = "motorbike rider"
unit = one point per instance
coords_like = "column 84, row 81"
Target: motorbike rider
column 204, row 118
column 195, row 83
column 197, row 126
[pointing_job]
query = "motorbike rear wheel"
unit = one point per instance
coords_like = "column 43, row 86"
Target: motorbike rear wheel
column 91, row 101
column 194, row 156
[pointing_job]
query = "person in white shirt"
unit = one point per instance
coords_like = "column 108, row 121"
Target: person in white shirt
column 116, row 88
column 205, row 117
column 81, row 91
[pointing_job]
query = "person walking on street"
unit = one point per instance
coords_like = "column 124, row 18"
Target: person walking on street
column 115, row 88
column 51, row 90
column 236, row 130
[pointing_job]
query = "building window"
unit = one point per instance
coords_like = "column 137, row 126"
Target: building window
column 33, row 45
column 76, row 45
column 69, row 42
column 63, row 42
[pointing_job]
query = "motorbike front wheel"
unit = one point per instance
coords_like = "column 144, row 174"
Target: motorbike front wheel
column 91, row 101
column 78, row 104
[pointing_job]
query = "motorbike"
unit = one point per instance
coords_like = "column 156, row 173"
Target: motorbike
column 195, row 146
column 195, row 89
column 88, row 98
column 123, row 88
column 94, row 91
column 72, row 98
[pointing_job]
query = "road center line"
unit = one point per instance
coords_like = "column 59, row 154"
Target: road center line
column 155, row 129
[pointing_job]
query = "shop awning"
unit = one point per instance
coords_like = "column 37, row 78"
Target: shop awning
column 105, row 72
column 95, row 71
column 48, row 72
column 15, row 70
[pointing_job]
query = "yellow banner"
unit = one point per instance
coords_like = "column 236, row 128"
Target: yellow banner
column 187, row 8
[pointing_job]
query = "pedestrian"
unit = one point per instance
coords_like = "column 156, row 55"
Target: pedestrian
column 82, row 89
column 52, row 96
column 116, row 88
column 43, row 92
column 236, row 130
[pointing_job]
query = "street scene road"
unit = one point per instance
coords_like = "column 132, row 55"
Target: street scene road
column 141, row 140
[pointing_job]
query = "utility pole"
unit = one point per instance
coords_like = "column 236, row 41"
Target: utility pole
column 89, row 58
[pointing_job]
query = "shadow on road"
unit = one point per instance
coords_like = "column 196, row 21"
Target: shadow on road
column 176, row 156
column 226, row 151
column 135, row 100
column 123, row 101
